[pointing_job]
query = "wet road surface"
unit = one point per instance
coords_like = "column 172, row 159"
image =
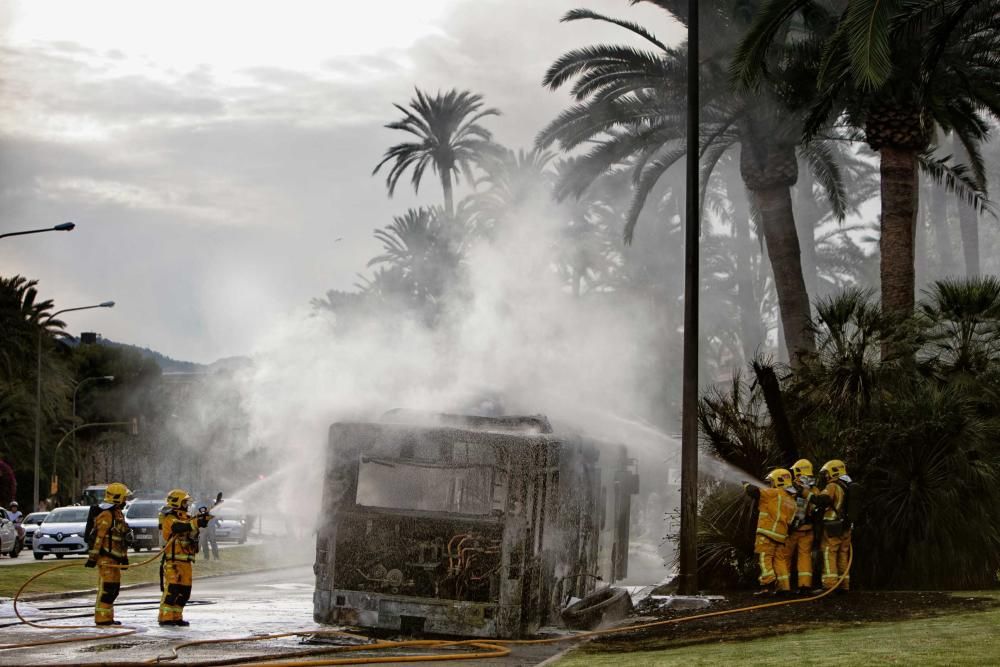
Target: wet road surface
column 222, row 607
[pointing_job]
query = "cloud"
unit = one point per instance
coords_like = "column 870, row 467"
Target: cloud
column 183, row 177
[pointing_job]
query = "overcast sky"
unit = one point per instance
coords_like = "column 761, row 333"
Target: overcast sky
column 212, row 153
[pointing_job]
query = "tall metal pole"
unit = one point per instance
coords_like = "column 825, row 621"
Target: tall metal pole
column 688, row 584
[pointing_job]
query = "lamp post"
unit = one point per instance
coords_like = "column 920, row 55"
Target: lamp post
column 38, row 392
column 62, row 227
column 96, row 378
column 688, row 584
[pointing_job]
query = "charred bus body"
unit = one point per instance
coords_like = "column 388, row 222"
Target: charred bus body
column 472, row 526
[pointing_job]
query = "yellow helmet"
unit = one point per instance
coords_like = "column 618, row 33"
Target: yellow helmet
column 779, row 478
column 178, row 499
column 834, row 469
column 116, row 493
column 802, row 468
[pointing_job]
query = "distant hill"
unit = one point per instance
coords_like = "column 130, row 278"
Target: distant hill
column 169, row 365
column 166, row 364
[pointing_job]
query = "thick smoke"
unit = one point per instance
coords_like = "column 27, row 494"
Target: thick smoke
column 510, row 332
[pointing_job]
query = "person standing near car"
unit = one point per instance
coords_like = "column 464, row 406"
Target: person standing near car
column 208, row 537
column 181, row 530
column 108, row 551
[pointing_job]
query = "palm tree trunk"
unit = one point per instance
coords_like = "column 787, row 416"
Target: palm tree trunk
column 449, row 204
column 807, row 215
column 751, row 326
column 898, row 170
column 940, row 223
column 969, row 220
column 782, row 239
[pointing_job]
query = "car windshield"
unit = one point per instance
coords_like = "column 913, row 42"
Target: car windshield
column 143, row 511
column 68, row 515
column 36, row 518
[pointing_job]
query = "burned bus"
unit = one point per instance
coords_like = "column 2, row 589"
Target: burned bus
column 461, row 525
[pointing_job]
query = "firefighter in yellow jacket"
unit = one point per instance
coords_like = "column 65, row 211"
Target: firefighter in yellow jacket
column 800, row 538
column 178, row 556
column 835, row 547
column 109, row 551
column 776, row 509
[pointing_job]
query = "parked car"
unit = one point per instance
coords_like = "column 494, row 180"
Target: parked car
column 231, row 523
column 143, row 517
column 62, row 532
column 10, row 538
column 30, row 525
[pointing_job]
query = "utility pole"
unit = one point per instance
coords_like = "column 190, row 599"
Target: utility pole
column 688, row 584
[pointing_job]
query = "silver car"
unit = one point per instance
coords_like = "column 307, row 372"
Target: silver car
column 9, row 542
column 30, row 525
column 143, row 518
column 62, row 532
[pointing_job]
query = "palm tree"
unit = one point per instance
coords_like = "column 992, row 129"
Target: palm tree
column 423, row 250
column 513, row 183
column 449, row 140
column 631, row 105
column 895, row 71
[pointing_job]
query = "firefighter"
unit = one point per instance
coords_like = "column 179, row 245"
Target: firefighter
column 776, row 510
column 835, row 546
column 109, row 551
column 800, row 538
column 178, row 556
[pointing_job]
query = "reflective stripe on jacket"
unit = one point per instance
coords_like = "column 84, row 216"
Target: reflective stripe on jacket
column 777, row 509
column 179, row 525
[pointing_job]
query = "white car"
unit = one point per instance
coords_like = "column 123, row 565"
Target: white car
column 30, row 524
column 143, row 517
column 9, row 542
column 62, row 532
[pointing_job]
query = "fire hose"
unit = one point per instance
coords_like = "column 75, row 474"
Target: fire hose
column 486, row 648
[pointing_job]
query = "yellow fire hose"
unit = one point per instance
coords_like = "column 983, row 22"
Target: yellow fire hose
column 489, row 648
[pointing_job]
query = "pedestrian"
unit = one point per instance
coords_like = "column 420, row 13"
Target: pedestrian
column 14, row 512
column 800, row 539
column 835, row 546
column 776, row 510
column 181, row 530
column 108, row 550
column 207, row 536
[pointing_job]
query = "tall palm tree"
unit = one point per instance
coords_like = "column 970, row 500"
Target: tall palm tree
column 895, row 71
column 631, row 105
column 449, row 140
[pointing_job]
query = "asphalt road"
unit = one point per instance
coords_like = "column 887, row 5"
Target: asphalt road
column 222, row 607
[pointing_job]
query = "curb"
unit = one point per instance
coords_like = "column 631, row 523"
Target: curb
column 40, row 597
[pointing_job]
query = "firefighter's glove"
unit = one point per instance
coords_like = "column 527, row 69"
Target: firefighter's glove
column 203, row 520
column 90, row 563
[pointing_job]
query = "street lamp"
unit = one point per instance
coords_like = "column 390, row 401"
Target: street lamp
column 38, row 391
column 97, row 378
column 62, row 227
